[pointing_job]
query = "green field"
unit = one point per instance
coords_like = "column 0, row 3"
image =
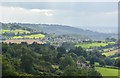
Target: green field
column 17, row 37
column 14, row 31
column 36, row 36
column 108, row 49
column 107, row 71
column 88, row 45
column 33, row 36
column 117, row 57
column 110, row 53
column 111, row 42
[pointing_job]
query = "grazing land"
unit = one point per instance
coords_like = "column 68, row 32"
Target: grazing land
column 111, row 52
column 34, row 36
column 21, row 34
column 17, row 37
column 95, row 44
column 108, row 50
column 107, row 71
column 20, row 31
column 21, row 40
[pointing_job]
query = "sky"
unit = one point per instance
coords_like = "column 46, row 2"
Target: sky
column 95, row 16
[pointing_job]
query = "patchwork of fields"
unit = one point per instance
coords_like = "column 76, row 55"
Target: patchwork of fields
column 14, row 31
column 21, row 40
column 18, row 34
column 34, row 36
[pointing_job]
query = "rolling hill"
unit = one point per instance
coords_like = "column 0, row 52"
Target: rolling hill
column 63, row 30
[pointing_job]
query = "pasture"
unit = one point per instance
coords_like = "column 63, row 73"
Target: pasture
column 35, row 36
column 17, row 37
column 20, row 36
column 95, row 44
column 14, row 31
column 111, row 52
column 18, row 41
column 108, row 49
column 107, row 71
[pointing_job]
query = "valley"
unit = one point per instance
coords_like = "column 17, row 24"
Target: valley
column 58, row 53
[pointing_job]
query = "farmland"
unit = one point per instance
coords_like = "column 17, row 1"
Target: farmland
column 108, row 49
column 36, row 36
column 107, row 71
column 111, row 52
column 95, row 44
column 15, row 31
column 17, row 37
column 21, row 34
column 21, row 40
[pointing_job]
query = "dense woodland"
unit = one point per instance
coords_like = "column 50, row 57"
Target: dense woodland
column 43, row 60
column 46, row 60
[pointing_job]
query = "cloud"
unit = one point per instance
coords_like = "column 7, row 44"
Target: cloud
column 45, row 11
column 48, row 14
column 35, row 10
column 79, row 18
column 18, row 14
column 60, row 0
column 70, row 17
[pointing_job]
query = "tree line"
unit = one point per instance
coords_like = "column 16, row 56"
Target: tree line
column 43, row 60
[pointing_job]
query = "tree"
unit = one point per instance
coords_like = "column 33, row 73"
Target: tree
column 82, row 59
column 117, row 62
column 102, row 63
column 61, row 51
column 107, row 39
column 65, row 61
column 109, row 61
column 27, row 63
column 18, row 33
column 92, row 61
column 94, row 73
column 70, row 71
column 68, row 45
column 113, row 39
column 7, row 69
column 79, row 51
column 73, row 55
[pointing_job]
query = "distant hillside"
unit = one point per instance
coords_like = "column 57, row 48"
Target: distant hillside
column 62, row 29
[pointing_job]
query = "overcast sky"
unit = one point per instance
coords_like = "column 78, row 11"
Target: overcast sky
column 96, row 16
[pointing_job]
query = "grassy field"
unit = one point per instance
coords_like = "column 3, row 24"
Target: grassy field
column 14, row 31
column 29, row 41
column 17, row 37
column 88, row 45
column 117, row 57
column 111, row 42
column 111, row 53
column 107, row 71
column 108, row 49
column 36, row 36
